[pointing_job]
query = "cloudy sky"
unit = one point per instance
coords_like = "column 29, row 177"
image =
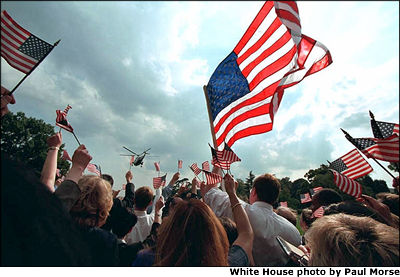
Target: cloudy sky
column 133, row 73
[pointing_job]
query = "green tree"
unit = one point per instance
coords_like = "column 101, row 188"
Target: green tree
column 242, row 191
column 25, row 139
column 249, row 183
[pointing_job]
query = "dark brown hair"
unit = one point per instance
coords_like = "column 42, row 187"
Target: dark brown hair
column 143, row 197
column 192, row 235
column 267, row 188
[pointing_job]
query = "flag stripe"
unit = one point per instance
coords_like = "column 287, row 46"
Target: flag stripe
column 7, row 18
column 346, row 184
column 15, row 63
column 289, row 18
column 29, row 61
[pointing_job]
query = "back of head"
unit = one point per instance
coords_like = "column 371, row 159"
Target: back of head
column 267, row 188
column 143, row 197
column 123, row 221
column 192, row 236
column 306, row 218
column 391, row 200
column 230, row 228
column 288, row 213
column 352, row 207
column 108, row 178
column 94, row 203
column 36, row 230
column 325, row 197
column 346, row 240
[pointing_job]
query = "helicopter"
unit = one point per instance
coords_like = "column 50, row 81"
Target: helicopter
column 139, row 157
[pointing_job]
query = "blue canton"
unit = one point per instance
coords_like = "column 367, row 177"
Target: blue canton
column 226, row 85
column 35, row 47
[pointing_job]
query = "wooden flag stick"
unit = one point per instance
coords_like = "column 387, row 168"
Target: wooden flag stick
column 350, row 138
column 36, row 65
column 76, row 138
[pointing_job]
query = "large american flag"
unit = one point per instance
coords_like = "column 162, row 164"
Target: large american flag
column 20, row 48
column 383, row 130
column 346, row 184
column 159, row 181
column 61, row 120
column 93, row 168
column 352, row 164
column 382, row 149
column 246, row 88
column 195, row 169
column 212, row 178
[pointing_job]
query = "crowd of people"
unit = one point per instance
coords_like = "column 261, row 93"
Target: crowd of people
column 80, row 221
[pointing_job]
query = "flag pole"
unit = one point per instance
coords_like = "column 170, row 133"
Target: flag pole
column 350, row 138
column 76, row 138
column 36, row 65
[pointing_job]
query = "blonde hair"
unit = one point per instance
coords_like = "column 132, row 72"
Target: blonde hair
column 94, row 203
column 346, row 240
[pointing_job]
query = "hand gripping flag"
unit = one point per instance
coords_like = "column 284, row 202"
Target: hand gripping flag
column 245, row 90
column 61, row 120
column 352, row 164
column 196, row 170
column 20, row 48
column 205, row 166
column 346, row 184
column 93, row 168
column 65, row 156
column 318, row 212
column 159, row 181
column 304, row 198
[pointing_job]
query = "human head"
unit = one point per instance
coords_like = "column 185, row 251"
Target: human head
column 306, row 219
column 287, row 213
column 352, row 207
column 94, row 203
column 108, row 178
column 266, row 188
column 36, row 230
column 325, row 197
column 143, row 197
column 192, row 235
column 230, row 228
column 123, row 221
column 345, row 240
column 391, row 200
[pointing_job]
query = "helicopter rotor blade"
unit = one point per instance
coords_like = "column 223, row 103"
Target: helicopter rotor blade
column 130, row 151
column 125, row 155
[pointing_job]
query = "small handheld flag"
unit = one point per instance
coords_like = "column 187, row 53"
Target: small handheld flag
column 352, row 164
column 65, row 156
column 346, row 184
column 195, row 169
column 93, row 168
column 305, row 198
column 159, row 181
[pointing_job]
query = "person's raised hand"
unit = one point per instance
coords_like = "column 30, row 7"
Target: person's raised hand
column 6, row 99
column 55, row 140
column 81, row 158
column 381, row 208
column 204, row 188
column 129, row 176
column 230, row 185
column 175, row 177
column 195, row 183
column 159, row 203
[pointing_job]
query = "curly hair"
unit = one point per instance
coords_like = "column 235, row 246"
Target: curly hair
column 95, row 202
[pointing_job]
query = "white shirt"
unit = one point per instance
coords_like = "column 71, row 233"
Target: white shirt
column 142, row 228
column 266, row 226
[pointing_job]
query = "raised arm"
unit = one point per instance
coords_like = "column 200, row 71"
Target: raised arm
column 245, row 232
column 167, row 190
column 48, row 174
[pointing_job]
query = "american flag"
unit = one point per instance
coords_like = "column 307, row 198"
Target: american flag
column 346, row 184
column 318, row 212
column 205, row 166
column 246, row 88
column 157, row 166
column 283, row 204
column 382, row 149
column 212, row 178
column 93, row 168
column 61, row 120
column 223, row 158
column 352, row 164
column 65, row 156
column 383, row 130
column 314, row 190
column 132, row 160
column 195, row 169
column 159, row 181
column 20, row 48
column 180, row 163
column 304, row 198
